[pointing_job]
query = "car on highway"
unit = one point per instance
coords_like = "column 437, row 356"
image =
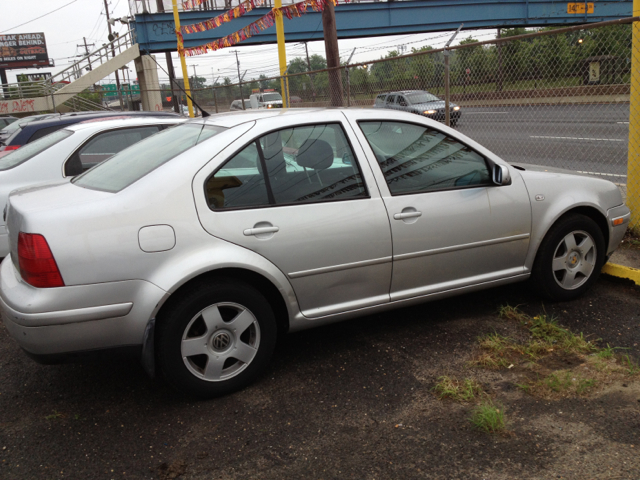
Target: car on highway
column 419, row 102
column 70, row 151
column 39, row 128
column 196, row 248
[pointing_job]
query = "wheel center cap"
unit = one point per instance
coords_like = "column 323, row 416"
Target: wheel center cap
column 220, row 341
column 573, row 259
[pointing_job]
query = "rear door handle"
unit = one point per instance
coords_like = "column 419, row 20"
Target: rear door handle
column 401, row 216
column 260, row 230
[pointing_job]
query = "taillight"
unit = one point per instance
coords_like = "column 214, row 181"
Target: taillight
column 37, row 265
column 8, row 148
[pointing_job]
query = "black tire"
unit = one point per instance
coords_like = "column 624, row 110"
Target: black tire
column 577, row 261
column 226, row 305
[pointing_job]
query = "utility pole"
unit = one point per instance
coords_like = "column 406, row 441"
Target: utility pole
column 213, row 86
column 333, row 54
column 195, row 85
column 313, row 88
column 172, row 73
column 113, row 53
column 86, row 50
column 240, row 81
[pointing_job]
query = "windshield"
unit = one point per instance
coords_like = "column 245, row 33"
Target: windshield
column 133, row 163
column 32, row 149
column 272, row 97
column 423, row 97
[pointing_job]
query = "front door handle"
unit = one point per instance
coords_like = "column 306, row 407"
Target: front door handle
column 402, row 216
column 260, row 231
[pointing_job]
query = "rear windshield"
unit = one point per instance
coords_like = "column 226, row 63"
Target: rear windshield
column 30, row 150
column 133, row 163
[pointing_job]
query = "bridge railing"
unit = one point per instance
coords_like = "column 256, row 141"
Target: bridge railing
column 552, row 97
column 150, row 6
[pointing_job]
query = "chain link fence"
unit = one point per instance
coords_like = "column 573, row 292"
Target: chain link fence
column 559, row 97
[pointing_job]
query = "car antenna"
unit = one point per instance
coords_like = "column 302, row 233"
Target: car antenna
column 204, row 112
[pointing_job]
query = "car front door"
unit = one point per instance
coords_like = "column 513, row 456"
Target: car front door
column 301, row 196
column 451, row 226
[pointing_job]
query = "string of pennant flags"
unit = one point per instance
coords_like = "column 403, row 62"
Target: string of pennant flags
column 237, row 12
column 264, row 22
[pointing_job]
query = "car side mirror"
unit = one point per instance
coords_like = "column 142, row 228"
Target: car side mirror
column 501, row 175
column 347, row 158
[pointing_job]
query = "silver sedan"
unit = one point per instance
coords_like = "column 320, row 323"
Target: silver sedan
column 196, row 248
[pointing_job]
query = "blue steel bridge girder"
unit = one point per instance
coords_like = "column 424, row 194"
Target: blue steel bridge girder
column 155, row 32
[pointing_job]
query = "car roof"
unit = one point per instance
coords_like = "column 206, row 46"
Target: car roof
column 232, row 119
column 107, row 124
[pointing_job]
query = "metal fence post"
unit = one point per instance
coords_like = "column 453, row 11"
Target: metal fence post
column 633, row 159
column 447, row 114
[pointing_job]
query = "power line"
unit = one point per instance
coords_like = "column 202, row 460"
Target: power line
column 34, row 19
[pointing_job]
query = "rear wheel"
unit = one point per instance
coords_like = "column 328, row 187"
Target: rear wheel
column 570, row 258
column 216, row 339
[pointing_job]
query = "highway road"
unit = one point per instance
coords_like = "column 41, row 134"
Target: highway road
column 586, row 138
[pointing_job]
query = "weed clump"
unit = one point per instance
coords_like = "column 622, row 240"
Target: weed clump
column 460, row 391
column 489, row 417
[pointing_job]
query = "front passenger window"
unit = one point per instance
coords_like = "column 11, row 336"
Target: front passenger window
column 414, row 158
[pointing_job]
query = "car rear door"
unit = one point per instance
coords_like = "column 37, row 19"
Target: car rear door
column 451, row 226
column 301, row 196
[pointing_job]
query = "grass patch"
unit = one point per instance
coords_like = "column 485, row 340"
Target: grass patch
column 489, row 417
column 54, row 416
column 546, row 337
column 460, row 391
column 563, row 382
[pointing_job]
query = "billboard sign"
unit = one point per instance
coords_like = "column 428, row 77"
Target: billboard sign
column 19, row 50
column 33, row 77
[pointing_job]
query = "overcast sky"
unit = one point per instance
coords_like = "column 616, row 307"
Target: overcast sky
column 65, row 28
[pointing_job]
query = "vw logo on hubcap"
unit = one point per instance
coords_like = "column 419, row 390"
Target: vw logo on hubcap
column 221, row 341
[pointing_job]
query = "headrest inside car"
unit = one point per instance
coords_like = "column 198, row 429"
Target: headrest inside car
column 316, row 154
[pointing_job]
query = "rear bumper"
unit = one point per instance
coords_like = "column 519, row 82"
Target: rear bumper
column 59, row 321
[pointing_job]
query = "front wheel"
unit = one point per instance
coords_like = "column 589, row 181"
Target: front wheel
column 570, row 258
column 216, row 339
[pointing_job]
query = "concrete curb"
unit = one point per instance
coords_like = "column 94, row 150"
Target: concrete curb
column 622, row 272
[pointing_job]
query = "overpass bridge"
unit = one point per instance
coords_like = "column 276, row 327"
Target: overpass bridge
column 155, row 32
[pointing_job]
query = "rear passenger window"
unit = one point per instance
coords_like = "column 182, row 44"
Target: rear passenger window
column 416, row 159
column 302, row 165
column 105, row 145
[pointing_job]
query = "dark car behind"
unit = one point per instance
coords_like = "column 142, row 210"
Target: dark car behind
column 34, row 130
column 419, row 102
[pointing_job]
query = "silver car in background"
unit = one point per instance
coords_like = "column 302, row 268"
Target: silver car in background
column 197, row 247
column 70, row 151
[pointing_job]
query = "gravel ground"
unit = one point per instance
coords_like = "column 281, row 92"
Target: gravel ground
column 351, row 400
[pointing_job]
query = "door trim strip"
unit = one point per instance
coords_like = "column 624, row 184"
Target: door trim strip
column 337, row 268
column 464, row 246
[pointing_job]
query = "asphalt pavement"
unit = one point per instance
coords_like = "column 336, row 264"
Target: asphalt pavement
column 588, row 138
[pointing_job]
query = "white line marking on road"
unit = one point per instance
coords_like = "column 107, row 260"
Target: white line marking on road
column 625, row 123
column 580, row 138
column 481, row 113
column 604, row 174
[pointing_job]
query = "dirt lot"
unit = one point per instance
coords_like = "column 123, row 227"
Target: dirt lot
column 352, row 400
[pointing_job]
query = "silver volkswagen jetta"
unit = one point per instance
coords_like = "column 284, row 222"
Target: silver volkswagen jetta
column 198, row 246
